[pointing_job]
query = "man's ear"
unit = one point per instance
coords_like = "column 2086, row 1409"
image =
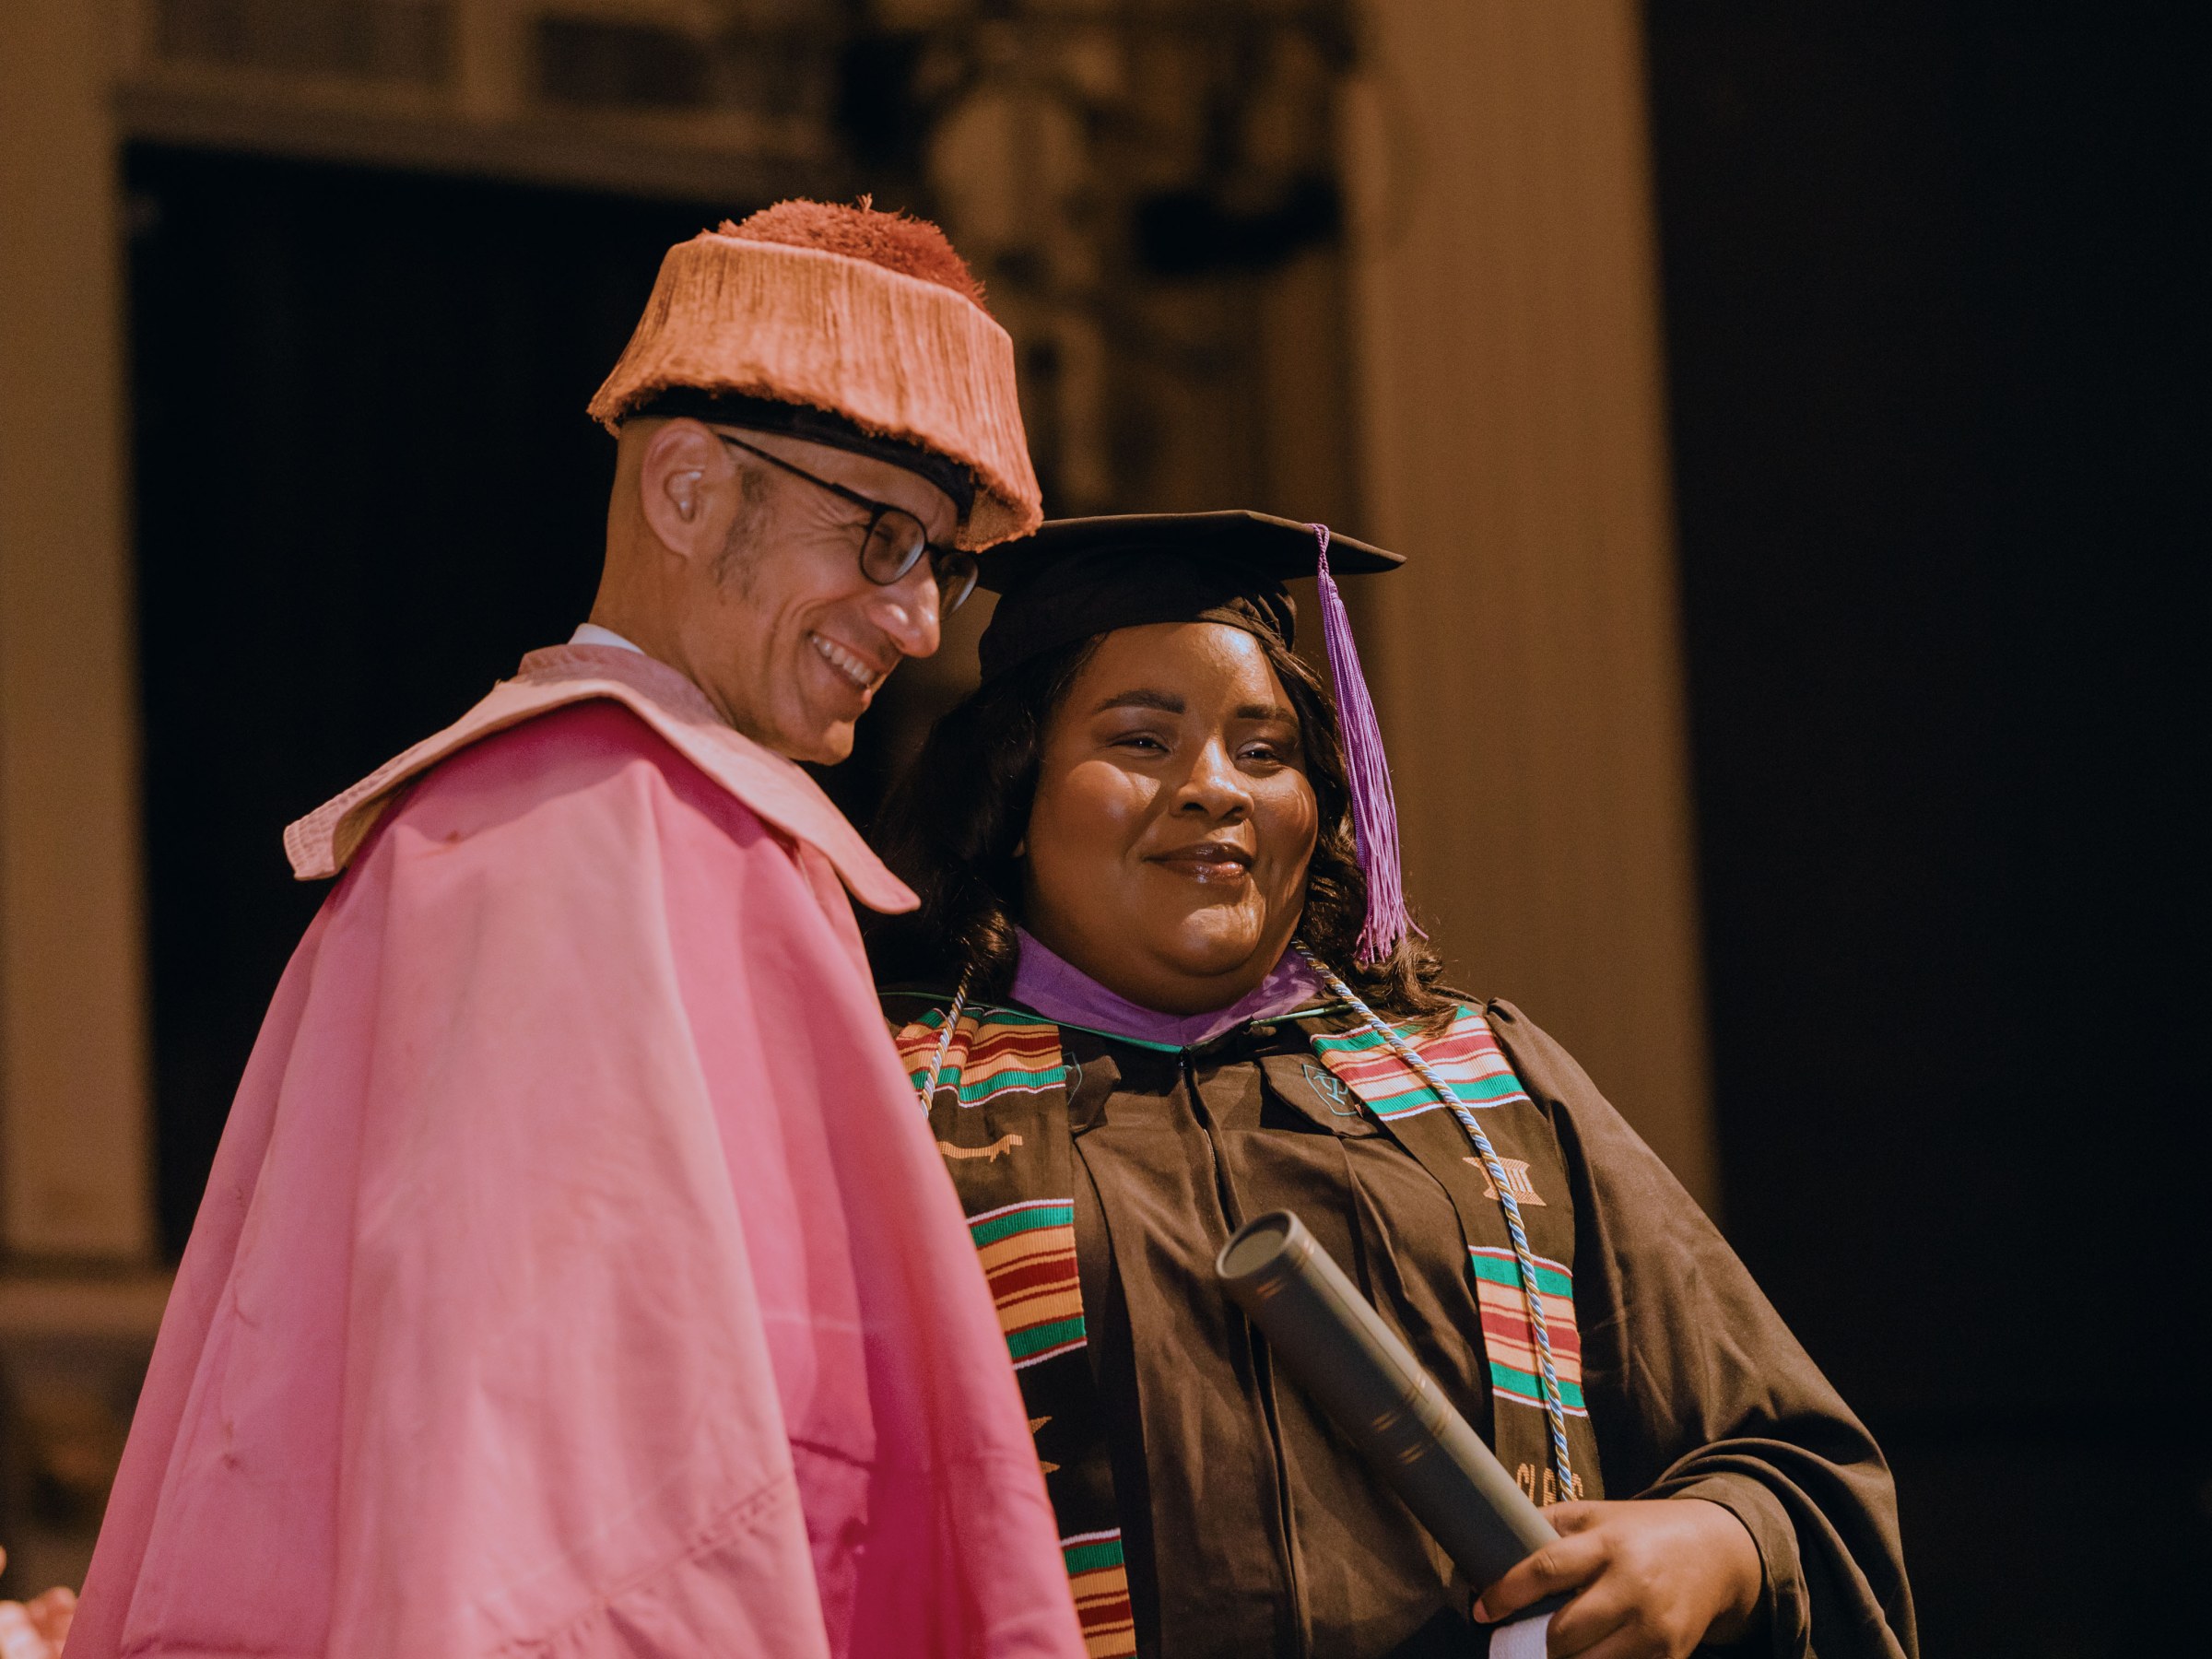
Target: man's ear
column 687, row 487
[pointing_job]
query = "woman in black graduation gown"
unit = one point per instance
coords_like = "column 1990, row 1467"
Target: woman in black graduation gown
column 1161, row 982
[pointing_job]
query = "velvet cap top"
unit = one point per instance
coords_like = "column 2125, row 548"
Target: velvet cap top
column 1078, row 577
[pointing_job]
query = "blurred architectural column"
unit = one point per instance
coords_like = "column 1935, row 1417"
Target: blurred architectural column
column 74, row 1127
column 1506, row 309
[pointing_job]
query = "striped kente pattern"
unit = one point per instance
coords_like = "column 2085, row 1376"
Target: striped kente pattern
column 1466, row 1056
column 1446, row 1092
column 1028, row 1251
column 1510, row 1340
column 1100, row 1583
column 994, row 1084
column 985, row 1056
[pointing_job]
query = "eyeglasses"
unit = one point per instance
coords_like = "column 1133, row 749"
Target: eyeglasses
column 896, row 541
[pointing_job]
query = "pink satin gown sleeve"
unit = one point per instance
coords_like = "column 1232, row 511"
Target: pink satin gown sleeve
column 577, row 1277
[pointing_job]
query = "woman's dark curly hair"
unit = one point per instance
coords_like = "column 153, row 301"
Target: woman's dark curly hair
column 950, row 824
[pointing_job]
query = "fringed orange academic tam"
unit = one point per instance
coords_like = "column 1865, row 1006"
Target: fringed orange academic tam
column 869, row 317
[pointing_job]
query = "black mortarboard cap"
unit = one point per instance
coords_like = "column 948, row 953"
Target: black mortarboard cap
column 1078, row 577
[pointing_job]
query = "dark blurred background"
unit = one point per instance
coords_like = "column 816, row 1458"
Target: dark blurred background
column 1928, row 284
column 1932, row 277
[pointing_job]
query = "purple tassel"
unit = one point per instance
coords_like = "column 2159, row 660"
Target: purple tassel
column 1374, row 807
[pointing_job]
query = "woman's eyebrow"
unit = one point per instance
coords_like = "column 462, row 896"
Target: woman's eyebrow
column 1267, row 711
column 1167, row 702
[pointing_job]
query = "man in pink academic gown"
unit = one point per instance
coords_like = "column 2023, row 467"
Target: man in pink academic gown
column 577, row 1276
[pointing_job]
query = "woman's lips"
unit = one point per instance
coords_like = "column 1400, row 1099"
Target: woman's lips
column 1208, row 861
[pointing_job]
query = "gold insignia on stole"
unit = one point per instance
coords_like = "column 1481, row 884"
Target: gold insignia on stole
column 1517, row 1177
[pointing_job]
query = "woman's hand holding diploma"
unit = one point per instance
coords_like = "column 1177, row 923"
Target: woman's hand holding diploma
column 1652, row 1578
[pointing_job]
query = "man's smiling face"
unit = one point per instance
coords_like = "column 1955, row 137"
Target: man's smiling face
column 784, row 632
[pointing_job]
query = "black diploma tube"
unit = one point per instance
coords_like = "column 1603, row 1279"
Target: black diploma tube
column 1336, row 1345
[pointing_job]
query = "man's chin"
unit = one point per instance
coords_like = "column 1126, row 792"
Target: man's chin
column 826, row 746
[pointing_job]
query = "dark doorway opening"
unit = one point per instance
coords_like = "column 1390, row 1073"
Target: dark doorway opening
column 366, row 484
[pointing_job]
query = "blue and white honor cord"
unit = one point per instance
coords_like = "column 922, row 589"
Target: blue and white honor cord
column 1555, row 1408
column 952, row 1019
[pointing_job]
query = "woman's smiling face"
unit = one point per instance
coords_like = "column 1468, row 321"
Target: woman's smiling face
column 1167, row 847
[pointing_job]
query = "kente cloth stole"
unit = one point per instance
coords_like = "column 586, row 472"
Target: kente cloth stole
column 1000, row 1118
column 1466, row 1057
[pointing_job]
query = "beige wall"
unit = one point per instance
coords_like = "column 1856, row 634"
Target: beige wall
column 1529, row 666
column 74, row 1135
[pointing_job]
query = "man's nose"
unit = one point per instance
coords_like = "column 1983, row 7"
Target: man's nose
column 908, row 611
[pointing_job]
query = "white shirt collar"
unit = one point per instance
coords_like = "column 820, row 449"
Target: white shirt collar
column 590, row 633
